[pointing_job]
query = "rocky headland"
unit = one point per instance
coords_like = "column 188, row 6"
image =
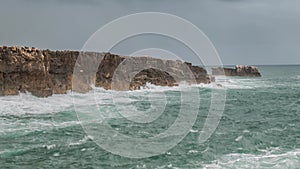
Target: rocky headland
column 239, row 70
column 46, row 72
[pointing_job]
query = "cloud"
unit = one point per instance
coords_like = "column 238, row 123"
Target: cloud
column 243, row 31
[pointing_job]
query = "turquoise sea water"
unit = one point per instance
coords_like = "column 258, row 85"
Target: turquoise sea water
column 260, row 127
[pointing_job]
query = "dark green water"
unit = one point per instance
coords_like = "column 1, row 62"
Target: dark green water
column 260, row 128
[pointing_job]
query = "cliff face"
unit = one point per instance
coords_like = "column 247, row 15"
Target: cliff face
column 45, row 72
column 239, row 70
column 24, row 69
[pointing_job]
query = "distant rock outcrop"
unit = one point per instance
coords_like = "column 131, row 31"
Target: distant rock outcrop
column 239, row 70
column 45, row 72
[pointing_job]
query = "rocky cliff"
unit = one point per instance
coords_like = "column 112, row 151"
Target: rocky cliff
column 45, row 72
column 239, row 70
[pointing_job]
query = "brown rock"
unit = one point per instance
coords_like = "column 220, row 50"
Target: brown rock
column 14, row 48
column 153, row 76
column 45, row 72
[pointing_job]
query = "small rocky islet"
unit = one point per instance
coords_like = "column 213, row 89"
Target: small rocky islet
column 45, row 72
column 239, row 70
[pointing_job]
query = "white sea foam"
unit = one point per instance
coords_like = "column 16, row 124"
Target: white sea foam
column 194, row 131
column 82, row 141
column 221, row 82
column 289, row 159
column 239, row 138
column 193, row 151
column 239, row 83
column 25, row 103
column 32, row 126
column 49, row 147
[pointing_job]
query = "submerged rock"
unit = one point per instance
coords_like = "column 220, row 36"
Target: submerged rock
column 46, row 72
column 239, row 70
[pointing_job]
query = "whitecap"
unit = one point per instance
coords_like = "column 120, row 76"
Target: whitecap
column 274, row 160
column 49, row 147
column 239, row 138
column 194, row 131
column 192, row 151
column 56, row 154
column 82, row 141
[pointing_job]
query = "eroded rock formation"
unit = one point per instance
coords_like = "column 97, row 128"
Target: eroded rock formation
column 45, row 72
column 239, row 70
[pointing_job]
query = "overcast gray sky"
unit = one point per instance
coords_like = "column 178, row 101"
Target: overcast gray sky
column 243, row 31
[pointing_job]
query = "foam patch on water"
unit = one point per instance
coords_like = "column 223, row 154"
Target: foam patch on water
column 82, row 141
column 239, row 83
column 289, row 159
column 25, row 103
column 154, row 88
column 221, row 82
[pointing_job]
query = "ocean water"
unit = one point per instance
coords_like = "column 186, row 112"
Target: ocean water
column 260, row 126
